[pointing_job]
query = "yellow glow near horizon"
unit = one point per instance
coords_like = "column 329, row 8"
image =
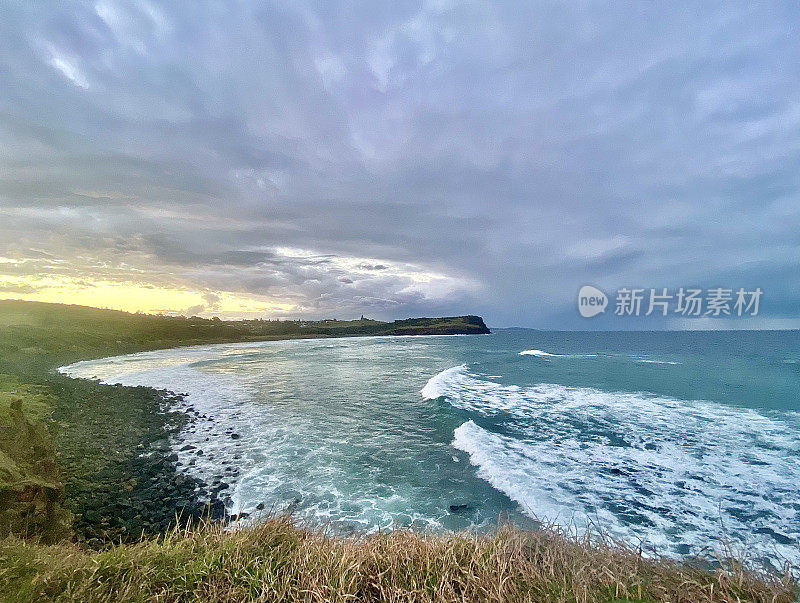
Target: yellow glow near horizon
column 136, row 297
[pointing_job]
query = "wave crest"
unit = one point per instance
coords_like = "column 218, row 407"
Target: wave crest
column 674, row 474
column 543, row 354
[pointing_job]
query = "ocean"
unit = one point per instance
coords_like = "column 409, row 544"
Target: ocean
column 683, row 443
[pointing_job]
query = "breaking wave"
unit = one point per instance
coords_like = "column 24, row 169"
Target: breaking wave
column 673, row 475
column 543, row 354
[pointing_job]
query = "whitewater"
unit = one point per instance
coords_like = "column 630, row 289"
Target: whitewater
column 678, row 443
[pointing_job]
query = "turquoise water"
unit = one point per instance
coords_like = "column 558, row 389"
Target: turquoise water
column 673, row 441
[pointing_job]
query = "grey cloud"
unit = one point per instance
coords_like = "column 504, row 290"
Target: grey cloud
column 16, row 288
column 194, row 310
column 490, row 141
column 212, row 300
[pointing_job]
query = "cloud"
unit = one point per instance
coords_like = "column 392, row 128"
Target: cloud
column 194, row 310
column 70, row 71
column 416, row 158
column 11, row 288
column 212, row 300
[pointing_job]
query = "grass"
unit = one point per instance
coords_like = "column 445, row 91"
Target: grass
column 37, row 402
column 30, row 485
column 279, row 561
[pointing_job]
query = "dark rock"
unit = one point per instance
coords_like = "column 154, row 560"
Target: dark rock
column 459, row 508
column 216, row 509
column 235, row 436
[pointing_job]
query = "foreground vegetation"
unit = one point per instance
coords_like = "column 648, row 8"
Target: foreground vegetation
column 92, row 507
column 277, row 561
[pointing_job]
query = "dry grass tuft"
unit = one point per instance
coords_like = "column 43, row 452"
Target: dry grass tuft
column 278, row 561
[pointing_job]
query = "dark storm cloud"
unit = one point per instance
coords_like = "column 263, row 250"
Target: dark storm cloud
column 519, row 149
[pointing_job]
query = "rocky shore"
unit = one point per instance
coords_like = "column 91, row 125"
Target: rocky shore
column 130, row 482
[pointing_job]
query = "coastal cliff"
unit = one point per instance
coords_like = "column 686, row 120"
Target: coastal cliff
column 455, row 325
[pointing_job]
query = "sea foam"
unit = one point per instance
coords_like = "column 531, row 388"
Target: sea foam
column 543, row 354
column 674, row 475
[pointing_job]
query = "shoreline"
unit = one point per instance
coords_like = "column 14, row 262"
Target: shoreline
column 101, row 468
column 191, row 498
column 142, row 493
column 255, row 343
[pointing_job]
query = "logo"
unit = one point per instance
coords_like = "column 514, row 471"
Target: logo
column 685, row 302
column 591, row 301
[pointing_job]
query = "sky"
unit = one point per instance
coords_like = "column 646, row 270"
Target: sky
column 332, row 159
